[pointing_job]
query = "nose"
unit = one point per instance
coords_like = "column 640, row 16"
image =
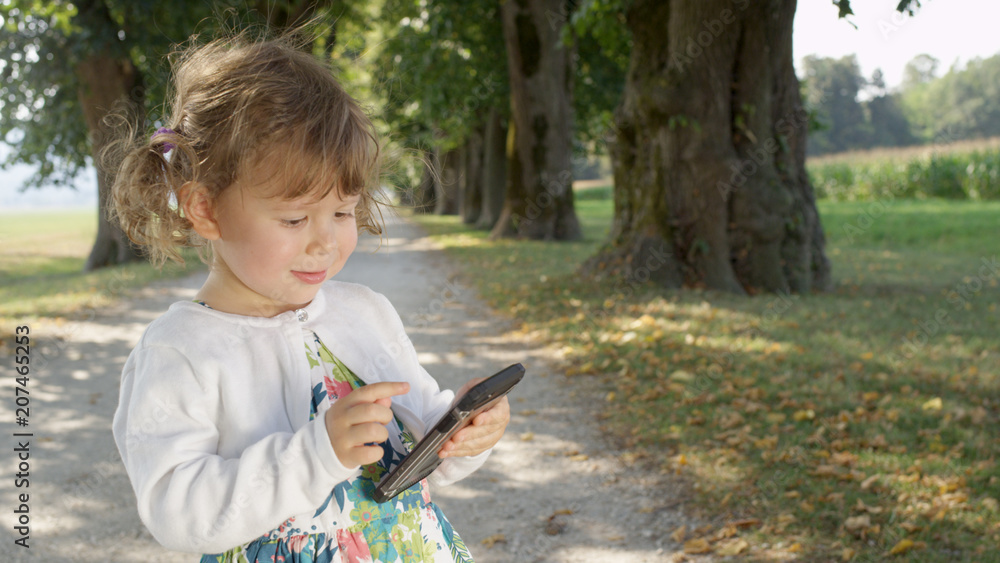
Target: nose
column 324, row 238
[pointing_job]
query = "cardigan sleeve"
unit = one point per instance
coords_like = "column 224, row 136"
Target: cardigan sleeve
column 189, row 497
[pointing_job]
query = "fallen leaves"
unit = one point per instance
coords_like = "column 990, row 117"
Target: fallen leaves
column 734, row 546
column 697, row 546
column 858, row 525
column 724, row 541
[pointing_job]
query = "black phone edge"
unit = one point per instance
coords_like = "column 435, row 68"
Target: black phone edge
column 468, row 403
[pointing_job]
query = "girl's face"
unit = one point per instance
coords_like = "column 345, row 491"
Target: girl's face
column 272, row 254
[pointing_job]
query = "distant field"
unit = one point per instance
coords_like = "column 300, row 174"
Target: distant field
column 902, row 154
column 42, row 254
column 963, row 170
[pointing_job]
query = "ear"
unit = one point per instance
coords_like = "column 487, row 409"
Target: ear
column 199, row 209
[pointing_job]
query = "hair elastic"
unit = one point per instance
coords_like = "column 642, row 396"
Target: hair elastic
column 167, row 147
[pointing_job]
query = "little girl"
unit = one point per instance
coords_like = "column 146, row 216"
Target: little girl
column 255, row 421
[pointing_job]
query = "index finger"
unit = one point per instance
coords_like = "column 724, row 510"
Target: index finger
column 373, row 392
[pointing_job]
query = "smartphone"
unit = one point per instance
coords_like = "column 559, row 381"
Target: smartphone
column 423, row 459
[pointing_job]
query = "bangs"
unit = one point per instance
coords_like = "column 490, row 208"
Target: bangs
column 316, row 161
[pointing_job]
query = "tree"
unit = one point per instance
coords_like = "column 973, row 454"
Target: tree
column 709, row 158
column 832, row 87
column 539, row 201
column 710, row 182
column 958, row 105
column 921, row 70
column 888, row 125
column 441, row 74
column 65, row 67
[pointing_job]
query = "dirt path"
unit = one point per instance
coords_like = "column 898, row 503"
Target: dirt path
column 553, row 490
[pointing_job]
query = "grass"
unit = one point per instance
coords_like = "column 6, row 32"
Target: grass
column 853, row 425
column 41, row 269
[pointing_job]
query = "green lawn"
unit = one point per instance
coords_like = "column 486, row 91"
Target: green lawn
column 41, row 268
column 836, row 426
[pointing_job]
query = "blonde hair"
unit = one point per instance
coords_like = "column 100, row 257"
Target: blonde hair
column 236, row 103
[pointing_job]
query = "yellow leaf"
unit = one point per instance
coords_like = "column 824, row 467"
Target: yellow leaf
column 610, row 396
column 734, row 546
column 857, row 524
column 527, row 436
column 807, row 414
column 682, row 376
column 795, row 547
column 775, row 417
column 847, row 554
column 766, row 443
column 495, row 538
column 679, row 533
column 825, row 471
column 697, row 546
column 903, row 546
column 730, row 420
column 934, row 404
column 867, row 356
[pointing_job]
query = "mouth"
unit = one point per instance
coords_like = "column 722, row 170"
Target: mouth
column 312, row 278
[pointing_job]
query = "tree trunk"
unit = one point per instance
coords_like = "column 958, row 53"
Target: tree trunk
column 471, row 195
column 709, row 157
column 105, row 84
column 539, row 203
column 446, row 189
column 420, row 198
column 494, row 173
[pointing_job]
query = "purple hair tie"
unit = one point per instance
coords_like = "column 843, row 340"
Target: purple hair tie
column 167, row 147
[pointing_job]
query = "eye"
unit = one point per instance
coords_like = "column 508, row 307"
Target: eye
column 293, row 222
column 343, row 214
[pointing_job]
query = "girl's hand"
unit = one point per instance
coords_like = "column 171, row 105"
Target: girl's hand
column 484, row 431
column 359, row 418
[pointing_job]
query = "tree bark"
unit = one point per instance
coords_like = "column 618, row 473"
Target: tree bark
column 709, row 156
column 420, row 198
column 471, row 180
column 105, row 84
column 539, row 203
column 446, row 188
column 494, row 173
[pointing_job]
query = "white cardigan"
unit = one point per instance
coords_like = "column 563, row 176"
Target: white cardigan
column 213, row 417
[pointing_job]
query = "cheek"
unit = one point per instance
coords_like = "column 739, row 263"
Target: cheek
column 348, row 239
column 271, row 247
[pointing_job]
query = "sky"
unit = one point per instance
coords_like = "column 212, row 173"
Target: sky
column 952, row 31
column 948, row 30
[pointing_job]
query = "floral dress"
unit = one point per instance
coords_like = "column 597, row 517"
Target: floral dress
column 349, row 526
